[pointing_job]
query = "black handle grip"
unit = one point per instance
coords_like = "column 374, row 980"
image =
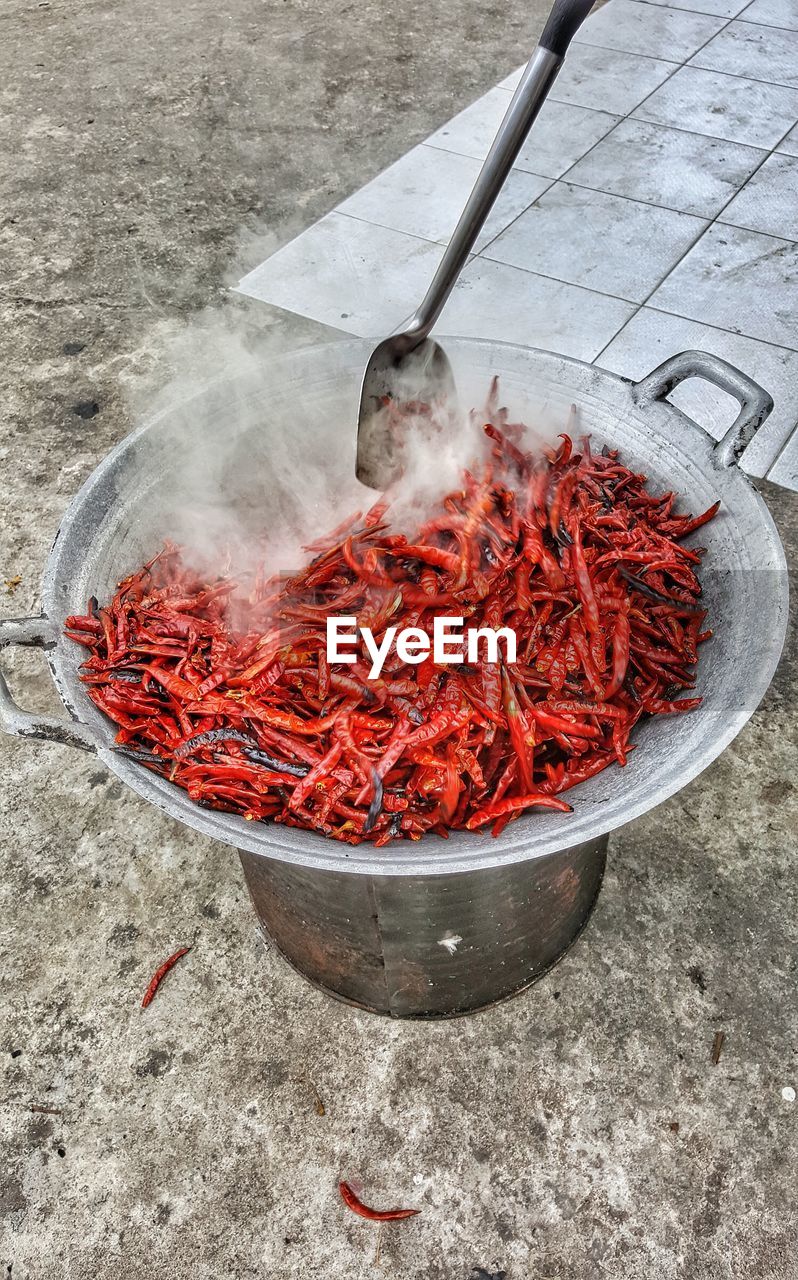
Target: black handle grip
column 564, row 21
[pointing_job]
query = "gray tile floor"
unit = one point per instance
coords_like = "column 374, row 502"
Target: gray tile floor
column 653, row 208
column 616, row 246
column 760, row 53
column 722, row 106
column 789, row 144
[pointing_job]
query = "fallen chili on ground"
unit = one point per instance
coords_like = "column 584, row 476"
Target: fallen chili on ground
column 224, row 687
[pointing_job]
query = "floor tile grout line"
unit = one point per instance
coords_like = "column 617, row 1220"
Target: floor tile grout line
column 732, row 333
column 708, row 218
column 686, row 62
column 572, row 284
column 710, row 223
column 550, row 182
column 569, row 284
column 676, row 264
column 714, row 221
column 631, row 53
column 734, row 75
column 755, row 231
column 776, row 84
column 674, row 315
column 646, row 204
column 714, row 71
column 759, row 26
column 515, row 169
column 766, row 154
column 766, row 26
column 778, row 454
column 367, row 222
column 676, row 67
column 603, row 111
column 609, row 48
column 700, row 13
column 624, row 326
column 650, row 57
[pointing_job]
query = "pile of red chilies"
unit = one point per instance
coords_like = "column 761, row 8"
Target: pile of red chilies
column 225, row 688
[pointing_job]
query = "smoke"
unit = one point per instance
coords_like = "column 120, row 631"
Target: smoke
column 258, row 439
column 432, row 444
column 253, row 469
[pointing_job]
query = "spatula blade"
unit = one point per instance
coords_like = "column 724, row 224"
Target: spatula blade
column 394, row 373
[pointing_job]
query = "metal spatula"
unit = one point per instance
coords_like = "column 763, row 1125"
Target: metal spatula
column 409, row 365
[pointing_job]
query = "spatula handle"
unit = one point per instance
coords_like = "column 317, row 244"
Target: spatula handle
column 564, row 21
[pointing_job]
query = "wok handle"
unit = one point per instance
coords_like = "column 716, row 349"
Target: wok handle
column 38, row 633
column 564, row 21
column 755, row 403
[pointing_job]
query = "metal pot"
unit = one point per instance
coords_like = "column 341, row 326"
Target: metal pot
column 432, row 928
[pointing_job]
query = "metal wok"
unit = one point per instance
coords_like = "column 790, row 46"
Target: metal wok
column 436, row 927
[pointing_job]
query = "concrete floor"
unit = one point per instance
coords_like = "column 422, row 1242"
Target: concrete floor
column 578, row 1132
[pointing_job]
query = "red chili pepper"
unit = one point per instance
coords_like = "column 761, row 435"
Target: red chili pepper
column 682, row 525
column 160, row 973
column 317, row 774
column 512, row 805
column 354, row 1203
column 620, row 652
column 582, row 649
column 523, row 739
column 584, row 583
column 557, row 724
column 558, row 512
column 664, row 708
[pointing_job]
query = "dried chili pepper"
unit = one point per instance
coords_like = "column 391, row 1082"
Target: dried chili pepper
column 160, row 973
column 354, row 1203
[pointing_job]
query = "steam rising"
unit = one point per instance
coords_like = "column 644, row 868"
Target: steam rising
column 271, row 468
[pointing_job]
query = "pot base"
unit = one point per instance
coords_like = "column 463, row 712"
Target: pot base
column 428, row 946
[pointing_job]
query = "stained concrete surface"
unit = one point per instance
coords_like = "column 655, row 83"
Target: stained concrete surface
column 578, row 1132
